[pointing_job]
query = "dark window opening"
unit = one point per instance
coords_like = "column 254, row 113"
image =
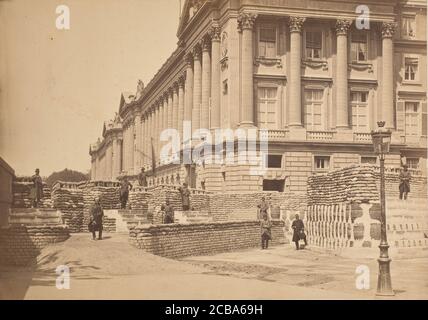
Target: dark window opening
column 274, row 161
column 273, row 185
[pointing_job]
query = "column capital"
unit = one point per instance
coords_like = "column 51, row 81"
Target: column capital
column 246, row 20
column 296, row 23
column 206, row 43
column 342, row 26
column 214, row 33
column 175, row 86
column 181, row 81
column 170, row 91
column 188, row 59
column 196, row 51
column 388, row 29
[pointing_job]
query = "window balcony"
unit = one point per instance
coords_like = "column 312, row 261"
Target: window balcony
column 323, row 135
column 364, row 137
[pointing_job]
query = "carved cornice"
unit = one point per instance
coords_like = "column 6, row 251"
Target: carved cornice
column 246, row 20
column 296, row 23
column 388, row 29
column 342, row 26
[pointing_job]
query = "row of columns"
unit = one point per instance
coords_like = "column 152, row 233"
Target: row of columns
column 341, row 82
column 195, row 95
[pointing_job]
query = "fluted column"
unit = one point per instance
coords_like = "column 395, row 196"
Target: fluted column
column 245, row 25
column 388, row 30
column 109, row 160
column 206, row 82
column 149, row 137
column 295, row 110
column 155, row 129
column 215, row 76
column 168, row 119
column 143, row 139
column 197, row 88
column 174, row 110
column 132, row 147
column 187, row 114
column 181, row 103
column 137, row 148
column 342, row 107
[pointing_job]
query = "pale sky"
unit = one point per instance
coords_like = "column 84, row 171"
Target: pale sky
column 57, row 87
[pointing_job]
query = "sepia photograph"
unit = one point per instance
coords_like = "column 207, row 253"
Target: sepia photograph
column 213, row 150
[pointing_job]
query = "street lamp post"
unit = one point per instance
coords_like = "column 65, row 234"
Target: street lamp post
column 381, row 142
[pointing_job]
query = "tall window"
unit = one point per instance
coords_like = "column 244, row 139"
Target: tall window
column 412, row 119
column 313, row 109
column 313, row 44
column 410, row 69
column 267, row 42
column 359, row 103
column 359, row 47
column 408, row 27
column 266, row 108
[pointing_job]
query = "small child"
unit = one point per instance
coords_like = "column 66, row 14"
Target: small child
column 265, row 227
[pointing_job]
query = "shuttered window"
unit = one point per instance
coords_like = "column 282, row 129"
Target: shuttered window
column 266, row 108
column 359, row 103
column 412, row 119
column 313, row 44
column 314, row 109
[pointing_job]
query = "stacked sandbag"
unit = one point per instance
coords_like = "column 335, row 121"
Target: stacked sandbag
column 139, row 199
column 21, row 189
column 107, row 191
column 68, row 198
column 351, row 184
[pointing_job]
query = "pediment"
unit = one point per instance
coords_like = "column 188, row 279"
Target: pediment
column 190, row 8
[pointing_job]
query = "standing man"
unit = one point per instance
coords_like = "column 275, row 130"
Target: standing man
column 125, row 186
column 142, row 178
column 185, row 196
column 37, row 189
column 404, row 186
column 168, row 212
column 96, row 214
column 266, row 226
column 299, row 231
column 263, row 208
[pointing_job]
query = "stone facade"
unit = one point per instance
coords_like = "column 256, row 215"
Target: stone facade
column 7, row 175
column 305, row 72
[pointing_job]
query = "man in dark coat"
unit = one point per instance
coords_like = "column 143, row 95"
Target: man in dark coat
column 266, row 226
column 404, row 186
column 125, row 186
column 96, row 214
column 142, row 178
column 299, row 231
column 263, row 208
column 37, row 189
column 185, row 196
column 168, row 212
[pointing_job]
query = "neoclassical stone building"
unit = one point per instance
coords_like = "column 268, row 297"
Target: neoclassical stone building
column 311, row 72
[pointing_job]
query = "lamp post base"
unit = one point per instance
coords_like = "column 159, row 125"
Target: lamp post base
column 384, row 287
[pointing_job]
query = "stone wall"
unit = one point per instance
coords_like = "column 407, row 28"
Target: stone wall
column 180, row 240
column 6, row 195
column 20, row 244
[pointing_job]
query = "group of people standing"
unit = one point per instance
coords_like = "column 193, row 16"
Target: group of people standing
column 266, row 226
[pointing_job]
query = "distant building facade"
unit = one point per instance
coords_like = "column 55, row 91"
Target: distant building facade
column 304, row 70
